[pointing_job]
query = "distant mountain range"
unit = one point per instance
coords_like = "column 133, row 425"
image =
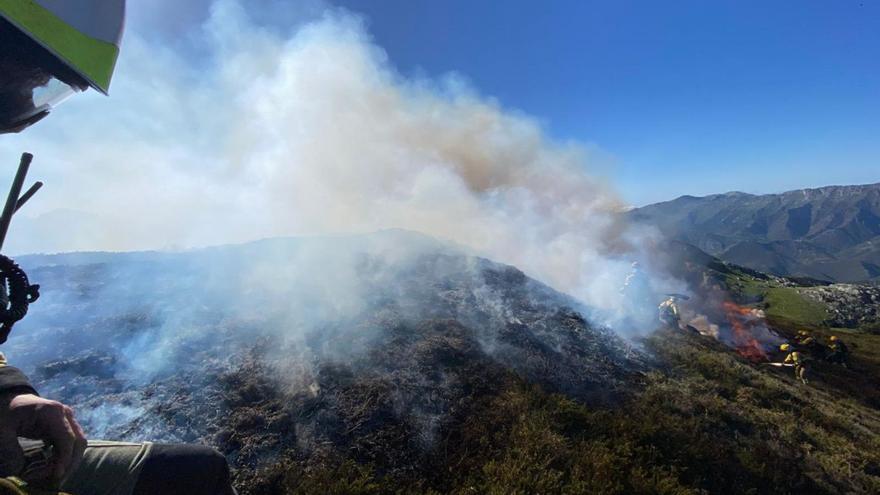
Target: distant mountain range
column 830, row 233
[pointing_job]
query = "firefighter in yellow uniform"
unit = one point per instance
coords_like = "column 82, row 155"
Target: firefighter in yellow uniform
column 811, row 347
column 838, row 352
column 669, row 313
column 804, row 339
column 797, row 360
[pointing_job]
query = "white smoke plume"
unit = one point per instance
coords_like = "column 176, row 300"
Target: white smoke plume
column 314, row 132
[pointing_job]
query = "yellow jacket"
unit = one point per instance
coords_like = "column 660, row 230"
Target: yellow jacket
column 795, row 358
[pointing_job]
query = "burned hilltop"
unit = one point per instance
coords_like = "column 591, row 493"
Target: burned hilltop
column 372, row 350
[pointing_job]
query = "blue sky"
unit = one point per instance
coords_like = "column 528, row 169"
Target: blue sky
column 221, row 130
column 685, row 97
column 669, row 98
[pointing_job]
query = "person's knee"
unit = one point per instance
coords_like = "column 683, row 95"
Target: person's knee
column 211, row 459
column 181, row 468
column 217, row 463
column 201, row 456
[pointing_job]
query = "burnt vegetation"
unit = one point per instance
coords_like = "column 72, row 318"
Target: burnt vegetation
column 706, row 422
column 464, row 376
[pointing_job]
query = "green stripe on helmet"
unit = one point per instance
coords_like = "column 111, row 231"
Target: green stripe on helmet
column 91, row 58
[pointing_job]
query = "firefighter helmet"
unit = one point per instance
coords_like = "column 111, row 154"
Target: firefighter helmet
column 51, row 49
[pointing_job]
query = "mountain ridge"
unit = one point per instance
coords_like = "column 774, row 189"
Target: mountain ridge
column 830, row 233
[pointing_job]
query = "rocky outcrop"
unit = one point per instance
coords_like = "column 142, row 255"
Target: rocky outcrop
column 849, row 305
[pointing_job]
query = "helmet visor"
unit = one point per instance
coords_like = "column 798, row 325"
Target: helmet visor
column 28, row 101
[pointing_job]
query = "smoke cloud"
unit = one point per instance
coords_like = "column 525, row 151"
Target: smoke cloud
column 314, row 132
column 309, row 132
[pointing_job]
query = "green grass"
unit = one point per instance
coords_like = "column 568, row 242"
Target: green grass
column 746, row 287
column 780, row 302
column 786, row 303
column 788, row 312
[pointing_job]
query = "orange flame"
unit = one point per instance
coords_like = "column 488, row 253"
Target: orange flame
column 742, row 320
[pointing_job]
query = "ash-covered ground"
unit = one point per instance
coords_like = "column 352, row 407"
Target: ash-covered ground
column 367, row 347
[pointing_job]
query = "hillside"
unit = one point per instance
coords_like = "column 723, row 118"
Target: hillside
column 391, row 363
column 361, row 346
column 831, row 233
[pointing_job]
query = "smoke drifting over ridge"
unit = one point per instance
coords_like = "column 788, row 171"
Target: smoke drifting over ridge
column 312, row 133
column 316, row 133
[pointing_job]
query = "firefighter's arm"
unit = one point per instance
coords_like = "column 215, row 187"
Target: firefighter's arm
column 24, row 414
column 788, row 359
column 12, row 383
column 12, row 380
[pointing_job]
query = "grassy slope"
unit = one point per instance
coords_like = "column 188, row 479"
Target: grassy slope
column 708, row 422
column 786, row 303
column 705, row 422
column 779, row 301
column 788, row 311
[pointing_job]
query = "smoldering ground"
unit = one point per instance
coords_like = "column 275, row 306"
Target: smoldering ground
column 310, row 132
column 142, row 332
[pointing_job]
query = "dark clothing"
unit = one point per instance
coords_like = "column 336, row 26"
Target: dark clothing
column 12, row 380
column 118, row 468
column 180, row 469
column 838, row 353
column 839, row 347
